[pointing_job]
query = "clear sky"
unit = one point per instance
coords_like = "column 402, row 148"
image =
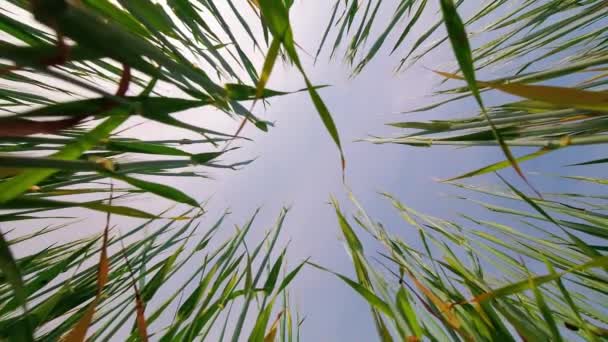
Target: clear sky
column 298, row 165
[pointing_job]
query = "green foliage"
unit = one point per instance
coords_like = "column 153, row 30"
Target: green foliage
column 100, row 65
column 135, row 49
column 59, row 280
column 484, row 280
column 470, row 281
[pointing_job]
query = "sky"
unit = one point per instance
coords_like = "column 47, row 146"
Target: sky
column 297, row 165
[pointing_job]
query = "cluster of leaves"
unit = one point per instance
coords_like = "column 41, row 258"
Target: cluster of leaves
column 59, row 136
column 516, row 30
column 150, row 47
column 66, row 291
column 541, row 276
column 557, row 40
column 482, row 280
column 143, row 45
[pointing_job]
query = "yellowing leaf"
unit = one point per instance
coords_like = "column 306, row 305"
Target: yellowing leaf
column 79, row 332
column 105, row 163
column 9, row 172
column 272, row 333
column 560, row 96
column 142, row 326
column 269, row 62
column 22, row 127
column 444, row 308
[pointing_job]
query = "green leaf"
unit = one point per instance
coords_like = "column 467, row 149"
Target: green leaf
column 523, row 285
column 460, row 45
column 156, row 188
column 328, row 121
column 500, row 165
column 150, row 13
column 273, row 275
column 585, row 248
column 591, row 162
column 269, row 62
column 407, row 312
column 203, row 158
column 30, row 202
column 290, row 276
column 277, row 18
column 545, row 311
column 19, row 184
column 159, row 277
column 257, row 334
column 143, row 147
column 11, row 273
column 373, row 300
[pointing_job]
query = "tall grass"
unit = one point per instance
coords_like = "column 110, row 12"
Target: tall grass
column 176, row 283
column 540, row 275
column 76, row 73
column 536, row 277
